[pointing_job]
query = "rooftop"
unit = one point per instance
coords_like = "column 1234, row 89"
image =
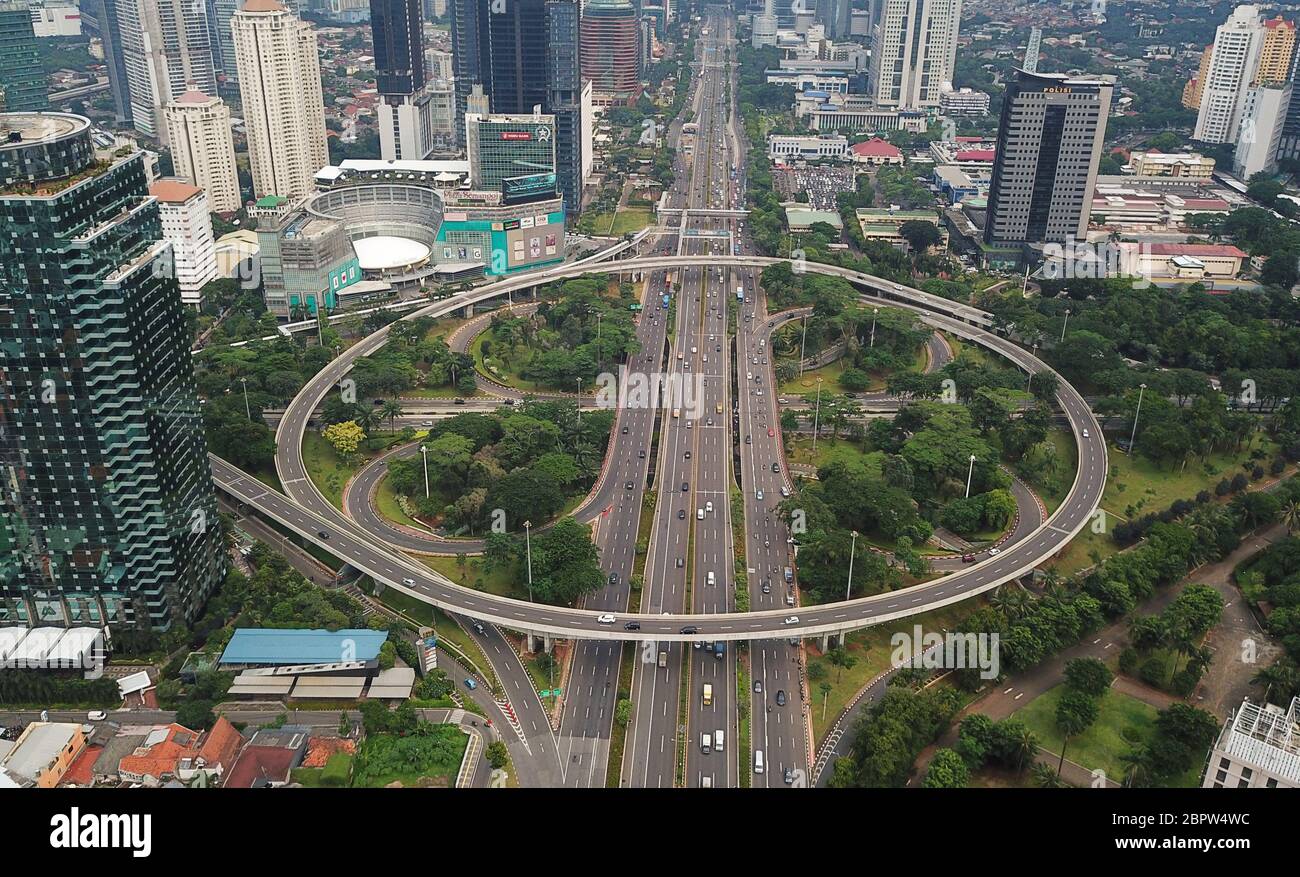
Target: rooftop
column 38, row 746
column 174, row 191
column 37, row 127
column 273, row 646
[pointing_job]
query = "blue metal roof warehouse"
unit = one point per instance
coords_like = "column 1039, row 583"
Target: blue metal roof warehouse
column 252, row 646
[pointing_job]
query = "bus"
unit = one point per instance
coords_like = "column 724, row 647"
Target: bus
column 740, row 293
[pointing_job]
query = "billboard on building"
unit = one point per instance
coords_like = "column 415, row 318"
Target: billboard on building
column 531, row 187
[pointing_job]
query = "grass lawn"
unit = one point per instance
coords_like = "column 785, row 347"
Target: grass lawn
column 618, row 731
column 1121, row 722
column 386, row 503
column 326, row 469
column 872, row 650
column 802, row 385
column 630, row 219
column 474, row 573
column 799, row 450
column 426, row 761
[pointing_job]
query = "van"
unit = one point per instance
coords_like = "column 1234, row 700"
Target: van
column 681, row 355
column 677, row 412
column 712, row 581
column 758, row 761
column 719, row 649
column 719, row 738
column 706, row 742
column 694, row 350
column 789, row 575
column 708, row 694
column 663, row 659
column 718, row 408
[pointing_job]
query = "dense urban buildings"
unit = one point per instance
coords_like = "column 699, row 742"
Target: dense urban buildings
column 1045, row 167
column 104, row 14
column 502, row 147
column 166, row 50
column 22, row 82
column 914, row 51
column 1231, row 69
column 187, row 225
column 107, row 509
column 611, row 50
column 203, row 151
column 283, row 107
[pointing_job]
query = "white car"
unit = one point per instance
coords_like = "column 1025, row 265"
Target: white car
column 96, row 715
column 408, row 581
column 994, row 551
column 1085, row 433
column 793, row 619
column 606, row 618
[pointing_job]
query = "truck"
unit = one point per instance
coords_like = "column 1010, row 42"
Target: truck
column 663, row 659
column 740, row 293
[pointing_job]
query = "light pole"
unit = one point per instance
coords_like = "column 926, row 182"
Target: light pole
column 817, row 410
column 1065, row 324
column 247, row 411
column 853, row 547
column 874, row 313
column 424, row 452
column 599, row 358
column 528, row 547
column 579, row 402
column 1142, row 388
column 970, row 474
column 1030, row 385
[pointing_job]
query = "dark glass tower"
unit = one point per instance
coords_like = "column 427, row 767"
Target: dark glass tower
column 107, row 510
column 525, row 55
column 22, row 80
column 399, row 46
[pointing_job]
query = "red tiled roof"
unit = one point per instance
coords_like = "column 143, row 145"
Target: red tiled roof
column 222, row 744
column 976, row 155
column 174, row 191
column 257, row 762
column 82, row 770
column 1219, row 250
column 161, row 759
column 1279, row 22
column 876, row 146
column 1207, row 203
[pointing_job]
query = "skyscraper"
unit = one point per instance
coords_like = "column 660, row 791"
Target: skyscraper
column 187, row 225
column 107, row 511
column 611, row 51
column 103, row 13
column 502, row 147
column 1045, row 167
column 405, row 125
column 22, row 81
column 1233, row 62
column 283, row 108
column 220, row 12
column 525, row 54
column 913, row 51
column 166, row 50
column 1275, row 52
column 203, row 152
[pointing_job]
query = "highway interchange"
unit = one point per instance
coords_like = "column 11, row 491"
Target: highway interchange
column 693, row 466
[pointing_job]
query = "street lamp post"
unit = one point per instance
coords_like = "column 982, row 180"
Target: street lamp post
column 424, row 452
column 1142, row 388
column 528, row 548
column 874, row 313
column 1065, row 324
column 1030, row 385
column 247, row 411
column 817, row 410
column 853, row 547
column 803, row 338
column 970, row 474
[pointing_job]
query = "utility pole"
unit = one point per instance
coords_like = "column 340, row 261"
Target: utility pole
column 803, row 338
column 1065, row 324
column 853, row 547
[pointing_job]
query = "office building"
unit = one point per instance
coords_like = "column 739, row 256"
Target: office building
column 1276, row 51
column 764, row 30
column 100, row 17
column 611, row 51
column 306, row 259
column 1153, row 163
column 1233, row 62
column 187, row 224
column 1196, row 85
column 22, row 81
column 203, row 152
column 166, row 51
column 220, row 12
column 283, row 108
column 1263, row 119
column 525, row 56
column 405, row 126
column 1258, row 748
column 502, row 147
column 914, row 51
column 964, row 102
column 56, row 18
column 107, row 511
column 1045, row 167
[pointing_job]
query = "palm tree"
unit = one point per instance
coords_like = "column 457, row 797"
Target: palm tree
column 1046, row 778
column 391, row 409
column 1011, row 600
column 1023, row 749
column 1291, row 516
column 1139, row 768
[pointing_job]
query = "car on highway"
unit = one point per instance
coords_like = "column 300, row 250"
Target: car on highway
column 968, row 558
column 458, row 401
column 680, row 563
column 1085, row 433
column 776, row 467
column 408, row 582
column 322, row 534
column 625, row 430
column 480, row 629
column 758, row 686
column 780, row 697
column 793, row 619
column 641, row 454
column 628, row 485
column 749, row 439
column 426, row 423
column 606, row 619
column 785, row 491
column 681, row 514
column 470, row 684
column 96, row 715
column 688, row 455
column 686, row 485
column 788, row 776
column 993, row 552
column 758, row 494
column 688, row 630
column 770, row 432
column 699, row 514
column 632, row 625
column 767, row 586
column 613, row 578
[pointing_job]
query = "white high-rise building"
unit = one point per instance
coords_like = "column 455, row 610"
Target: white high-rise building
column 203, row 152
column 764, row 27
column 1233, row 61
column 1262, row 117
column 166, row 51
column 913, row 51
column 283, row 107
column 186, row 223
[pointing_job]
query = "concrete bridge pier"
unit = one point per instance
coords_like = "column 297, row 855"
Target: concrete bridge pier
column 540, row 643
column 468, row 312
column 831, row 640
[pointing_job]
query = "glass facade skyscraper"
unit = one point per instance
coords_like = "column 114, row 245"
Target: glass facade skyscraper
column 107, row 509
column 22, row 80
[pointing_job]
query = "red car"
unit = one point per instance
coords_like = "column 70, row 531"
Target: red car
column 770, row 432
column 968, row 558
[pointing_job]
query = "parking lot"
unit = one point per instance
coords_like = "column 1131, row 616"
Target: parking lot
column 821, row 183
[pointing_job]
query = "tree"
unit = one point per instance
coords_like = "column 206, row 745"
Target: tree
column 1089, row 676
column 842, row 661
column 344, row 437
column 497, row 754
column 947, row 771
column 391, row 409
column 1075, row 713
